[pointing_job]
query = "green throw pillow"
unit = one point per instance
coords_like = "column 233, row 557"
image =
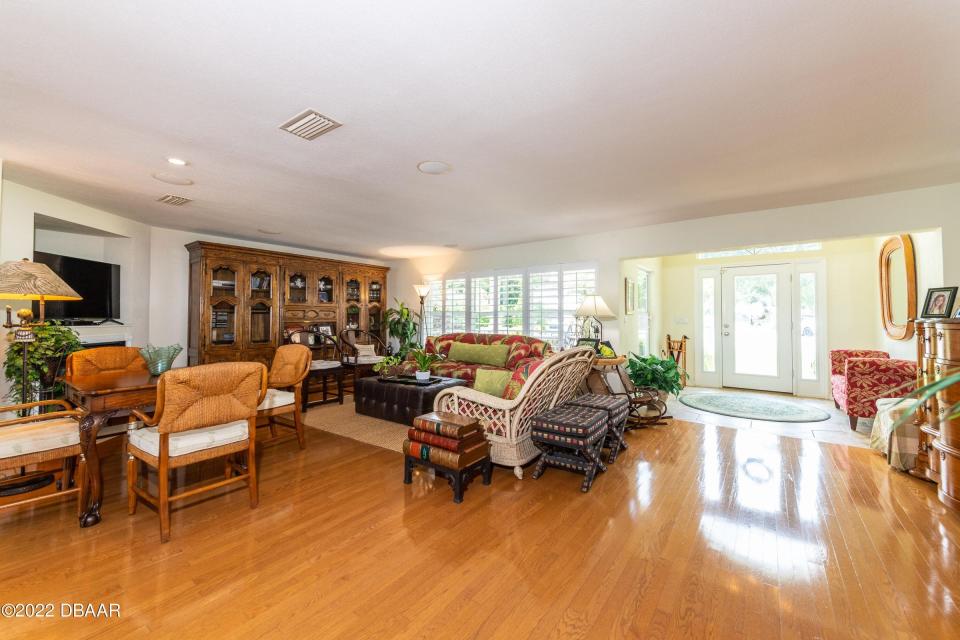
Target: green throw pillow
column 494, row 355
column 492, row 381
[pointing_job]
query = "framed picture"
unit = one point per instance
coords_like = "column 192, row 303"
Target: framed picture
column 939, row 302
column 629, row 296
column 325, row 330
column 589, row 342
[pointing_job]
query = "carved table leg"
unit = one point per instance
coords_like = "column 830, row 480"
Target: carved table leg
column 89, row 428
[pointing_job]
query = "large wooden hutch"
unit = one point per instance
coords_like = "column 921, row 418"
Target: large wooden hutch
column 242, row 300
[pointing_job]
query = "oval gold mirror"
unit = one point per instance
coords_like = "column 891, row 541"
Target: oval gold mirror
column 898, row 287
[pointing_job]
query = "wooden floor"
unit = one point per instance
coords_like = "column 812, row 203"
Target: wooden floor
column 697, row 531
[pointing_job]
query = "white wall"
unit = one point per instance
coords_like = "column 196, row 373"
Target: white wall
column 74, row 245
column 889, row 213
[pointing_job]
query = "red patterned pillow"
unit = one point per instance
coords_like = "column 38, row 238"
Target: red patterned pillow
column 520, row 376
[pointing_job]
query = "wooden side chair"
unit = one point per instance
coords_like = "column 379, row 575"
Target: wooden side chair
column 89, row 362
column 202, row 413
column 361, row 350
column 327, row 363
column 289, row 369
column 28, row 445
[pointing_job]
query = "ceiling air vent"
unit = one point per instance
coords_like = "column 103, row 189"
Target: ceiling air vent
column 309, row 125
column 174, row 200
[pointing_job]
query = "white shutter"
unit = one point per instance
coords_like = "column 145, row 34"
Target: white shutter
column 544, row 306
column 510, row 303
column 455, row 305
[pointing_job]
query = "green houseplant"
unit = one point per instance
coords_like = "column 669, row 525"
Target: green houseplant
column 54, row 342
column 403, row 324
column 661, row 374
column 388, row 367
column 424, row 360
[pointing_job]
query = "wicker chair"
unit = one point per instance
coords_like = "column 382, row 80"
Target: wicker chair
column 89, row 362
column 290, row 367
column 202, row 413
column 33, row 441
column 507, row 422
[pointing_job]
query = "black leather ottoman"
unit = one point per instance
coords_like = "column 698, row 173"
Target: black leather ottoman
column 396, row 401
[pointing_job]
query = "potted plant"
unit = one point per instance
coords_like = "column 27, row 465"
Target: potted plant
column 652, row 372
column 389, row 367
column 44, row 356
column 403, row 324
column 424, row 360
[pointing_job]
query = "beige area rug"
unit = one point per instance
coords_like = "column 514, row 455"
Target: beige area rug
column 344, row 421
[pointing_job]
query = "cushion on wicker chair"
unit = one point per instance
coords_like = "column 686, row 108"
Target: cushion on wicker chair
column 320, row 365
column 184, row 442
column 33, row 437
column 276, row 398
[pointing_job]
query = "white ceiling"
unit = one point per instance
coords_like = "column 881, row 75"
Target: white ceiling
column 558, row 117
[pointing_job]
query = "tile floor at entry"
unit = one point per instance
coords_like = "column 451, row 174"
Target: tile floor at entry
column 836, row 430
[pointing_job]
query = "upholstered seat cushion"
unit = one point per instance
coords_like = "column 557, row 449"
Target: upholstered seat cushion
column 368, row 359
column 33, row 437
column 276, row 398
column 320, row 365
column 569, row 425
column 617, row 407
column 184, row 442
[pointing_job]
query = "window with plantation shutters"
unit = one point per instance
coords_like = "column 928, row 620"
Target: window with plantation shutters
column 510, row 303
column 455, row 305
column 483, row 304
column 539, row 302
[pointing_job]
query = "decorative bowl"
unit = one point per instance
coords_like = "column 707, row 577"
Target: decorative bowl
column 160, row 359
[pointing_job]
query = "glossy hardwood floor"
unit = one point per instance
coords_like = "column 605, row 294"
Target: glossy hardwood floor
column 696, row 531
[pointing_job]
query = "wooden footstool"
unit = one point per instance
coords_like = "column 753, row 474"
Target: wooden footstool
column 570, row 437
column 617, row 408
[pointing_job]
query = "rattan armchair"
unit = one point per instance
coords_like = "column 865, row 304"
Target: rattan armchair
column 290, row 367
column 506, row 423
column 202, row 413
column 32, row 440
column 88, row 362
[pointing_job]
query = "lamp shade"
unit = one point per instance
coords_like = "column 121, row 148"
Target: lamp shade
column 26, row 280
column 423, row 290
column 594, row 306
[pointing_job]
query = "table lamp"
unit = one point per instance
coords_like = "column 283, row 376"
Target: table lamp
column 423, row 290
column 26, row 280
column 593, row 308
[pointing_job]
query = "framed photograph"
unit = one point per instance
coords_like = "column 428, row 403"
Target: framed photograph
column 629, row 296
column 939, row 302
column 325, row 330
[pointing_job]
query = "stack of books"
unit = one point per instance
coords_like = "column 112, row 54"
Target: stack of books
column 446, row 440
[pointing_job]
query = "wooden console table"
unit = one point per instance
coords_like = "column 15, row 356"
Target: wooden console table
column 102, row 396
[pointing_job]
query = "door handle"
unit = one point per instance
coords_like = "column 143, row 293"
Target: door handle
column 726, row 333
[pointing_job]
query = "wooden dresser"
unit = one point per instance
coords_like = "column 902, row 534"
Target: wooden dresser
column 242, row 300
column 938, row 350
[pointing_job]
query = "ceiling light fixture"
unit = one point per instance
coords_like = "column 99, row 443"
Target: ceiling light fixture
column 433, row 167
column 171, row 178
column 177, row 161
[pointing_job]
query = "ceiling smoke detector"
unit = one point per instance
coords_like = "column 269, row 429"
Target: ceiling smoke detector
column 176, row 201
column 309, row 125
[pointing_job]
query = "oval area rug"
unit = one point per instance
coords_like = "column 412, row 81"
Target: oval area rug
column 740, row 405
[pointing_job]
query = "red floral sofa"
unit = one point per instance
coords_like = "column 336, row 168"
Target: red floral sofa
column 525, row 355
column 860, row 377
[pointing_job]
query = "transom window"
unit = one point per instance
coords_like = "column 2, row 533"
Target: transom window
column 539, row 302
column 760, row 251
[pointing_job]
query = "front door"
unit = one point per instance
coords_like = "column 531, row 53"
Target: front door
column 755, row 331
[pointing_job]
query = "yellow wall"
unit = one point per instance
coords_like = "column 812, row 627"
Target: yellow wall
column 629, row 325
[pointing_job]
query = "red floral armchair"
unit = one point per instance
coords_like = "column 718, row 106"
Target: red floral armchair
column 860, row 377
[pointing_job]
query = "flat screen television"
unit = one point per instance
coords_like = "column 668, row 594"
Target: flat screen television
column 97, row 282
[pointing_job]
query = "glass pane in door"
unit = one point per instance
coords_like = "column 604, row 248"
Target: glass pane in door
column 708, row 306
column 808, row 326
column 223, row 323
column 755, row 324
column 325, row 289
column 260, row 323
column 224, row 281
column 261, row 285
column 297, row 289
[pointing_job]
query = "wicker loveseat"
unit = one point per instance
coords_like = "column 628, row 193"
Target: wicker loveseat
column 525, row 356
column 507, row 421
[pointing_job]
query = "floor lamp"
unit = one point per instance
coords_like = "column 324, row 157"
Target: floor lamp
column 423, row 290
column 26, row 280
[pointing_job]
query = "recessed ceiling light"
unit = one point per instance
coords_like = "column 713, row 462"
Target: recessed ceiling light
column 177, row 161
column 433, row 167
column 414, row 251
column 269, row 232
column 171, row 178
